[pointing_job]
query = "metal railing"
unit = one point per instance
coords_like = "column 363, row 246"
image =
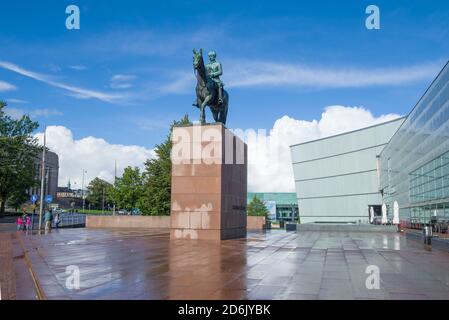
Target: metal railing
column 67, row 220
column 71, row 220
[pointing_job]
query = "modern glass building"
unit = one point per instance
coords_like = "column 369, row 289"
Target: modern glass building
column 337, row 177
column 415, row 164
column 283, row 205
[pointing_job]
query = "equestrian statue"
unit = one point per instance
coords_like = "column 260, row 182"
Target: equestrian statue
column 209, row 88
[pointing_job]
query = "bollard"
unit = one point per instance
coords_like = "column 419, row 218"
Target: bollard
column 427, row 234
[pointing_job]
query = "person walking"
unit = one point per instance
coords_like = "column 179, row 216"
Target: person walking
column 57, row 220
column 28, row 223
column 19, row 223
column 48, row 219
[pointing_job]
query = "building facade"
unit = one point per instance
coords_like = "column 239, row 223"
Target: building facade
column 337, row 178
column 415, row 164
column 282, row 205
column 51, row 175
column 67, row 198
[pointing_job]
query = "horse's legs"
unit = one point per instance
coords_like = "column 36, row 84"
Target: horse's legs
column 203, row 109
column 215, row 114
column 202, row 114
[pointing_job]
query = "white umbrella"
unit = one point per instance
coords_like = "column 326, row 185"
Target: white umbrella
column 384, row 213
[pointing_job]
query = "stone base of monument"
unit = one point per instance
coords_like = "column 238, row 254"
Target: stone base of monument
column 209, row 183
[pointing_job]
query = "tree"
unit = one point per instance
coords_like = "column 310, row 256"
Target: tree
column 99, row 190
column 18, row 150
column 156, row 198
column 128, row 189
column 257, row 208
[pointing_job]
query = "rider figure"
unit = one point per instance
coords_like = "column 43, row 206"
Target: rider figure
column 214, row 71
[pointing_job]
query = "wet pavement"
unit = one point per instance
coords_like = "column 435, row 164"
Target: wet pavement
column 145, row 264
column 7, row 277
column 16, row 279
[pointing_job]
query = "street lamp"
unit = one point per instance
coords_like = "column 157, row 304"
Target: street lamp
column 82, row 190
column 103, row 201
column 41, row 204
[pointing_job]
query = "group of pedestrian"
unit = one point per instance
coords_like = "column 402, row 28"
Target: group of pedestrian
column 24, row 222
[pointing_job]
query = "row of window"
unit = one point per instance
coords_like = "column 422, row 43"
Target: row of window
column 425, row 213
column 428, row 183
column 429, row 186
column 435, row 168
column 431, row 181
column 430, row 195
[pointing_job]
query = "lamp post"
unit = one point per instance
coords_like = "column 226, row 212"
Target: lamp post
column 82, row 190
column 115, row 177
column 41, row 204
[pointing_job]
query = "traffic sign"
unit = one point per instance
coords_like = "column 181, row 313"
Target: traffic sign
column 48, row 198
column 34, row 198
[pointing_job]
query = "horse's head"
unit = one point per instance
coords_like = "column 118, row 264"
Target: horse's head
column 197, row 59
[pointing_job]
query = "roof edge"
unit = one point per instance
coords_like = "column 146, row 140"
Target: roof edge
column 349, row 132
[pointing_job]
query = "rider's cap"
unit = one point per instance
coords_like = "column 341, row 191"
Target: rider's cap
column 212, row 53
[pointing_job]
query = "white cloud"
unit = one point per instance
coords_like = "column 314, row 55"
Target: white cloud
column 78, row 67
column 250, row 74
column 5, row 86
column 269, row 162
column 45, row 113
column 183, row 82
column 17, row 101
column 122, row 81
column 149, row 42
column 95, row 155
column 76, row 92
column 240, row 73
column 54, row 68
column 123, row 77
column 17, row 113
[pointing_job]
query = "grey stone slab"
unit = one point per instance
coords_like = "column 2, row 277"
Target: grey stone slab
column 143, row 264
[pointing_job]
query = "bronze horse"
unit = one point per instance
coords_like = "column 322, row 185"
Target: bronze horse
column 207, row 92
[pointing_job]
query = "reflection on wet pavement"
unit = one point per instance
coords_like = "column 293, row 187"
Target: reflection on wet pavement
column 145, row 264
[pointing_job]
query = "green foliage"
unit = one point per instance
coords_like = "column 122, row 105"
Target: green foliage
column 128, row 189
column 156, row 198
column 18, row 150
column 95, row 212
column 96, row 190
column 257, row 208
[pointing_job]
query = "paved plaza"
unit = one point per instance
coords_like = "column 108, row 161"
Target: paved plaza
column 132, row 264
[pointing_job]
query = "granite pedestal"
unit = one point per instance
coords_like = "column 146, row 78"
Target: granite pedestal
column 209, row 183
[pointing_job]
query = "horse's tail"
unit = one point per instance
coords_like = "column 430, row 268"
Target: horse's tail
column 224, row 107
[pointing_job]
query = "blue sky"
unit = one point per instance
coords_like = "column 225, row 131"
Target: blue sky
column 149, row 43
column 127, row 73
